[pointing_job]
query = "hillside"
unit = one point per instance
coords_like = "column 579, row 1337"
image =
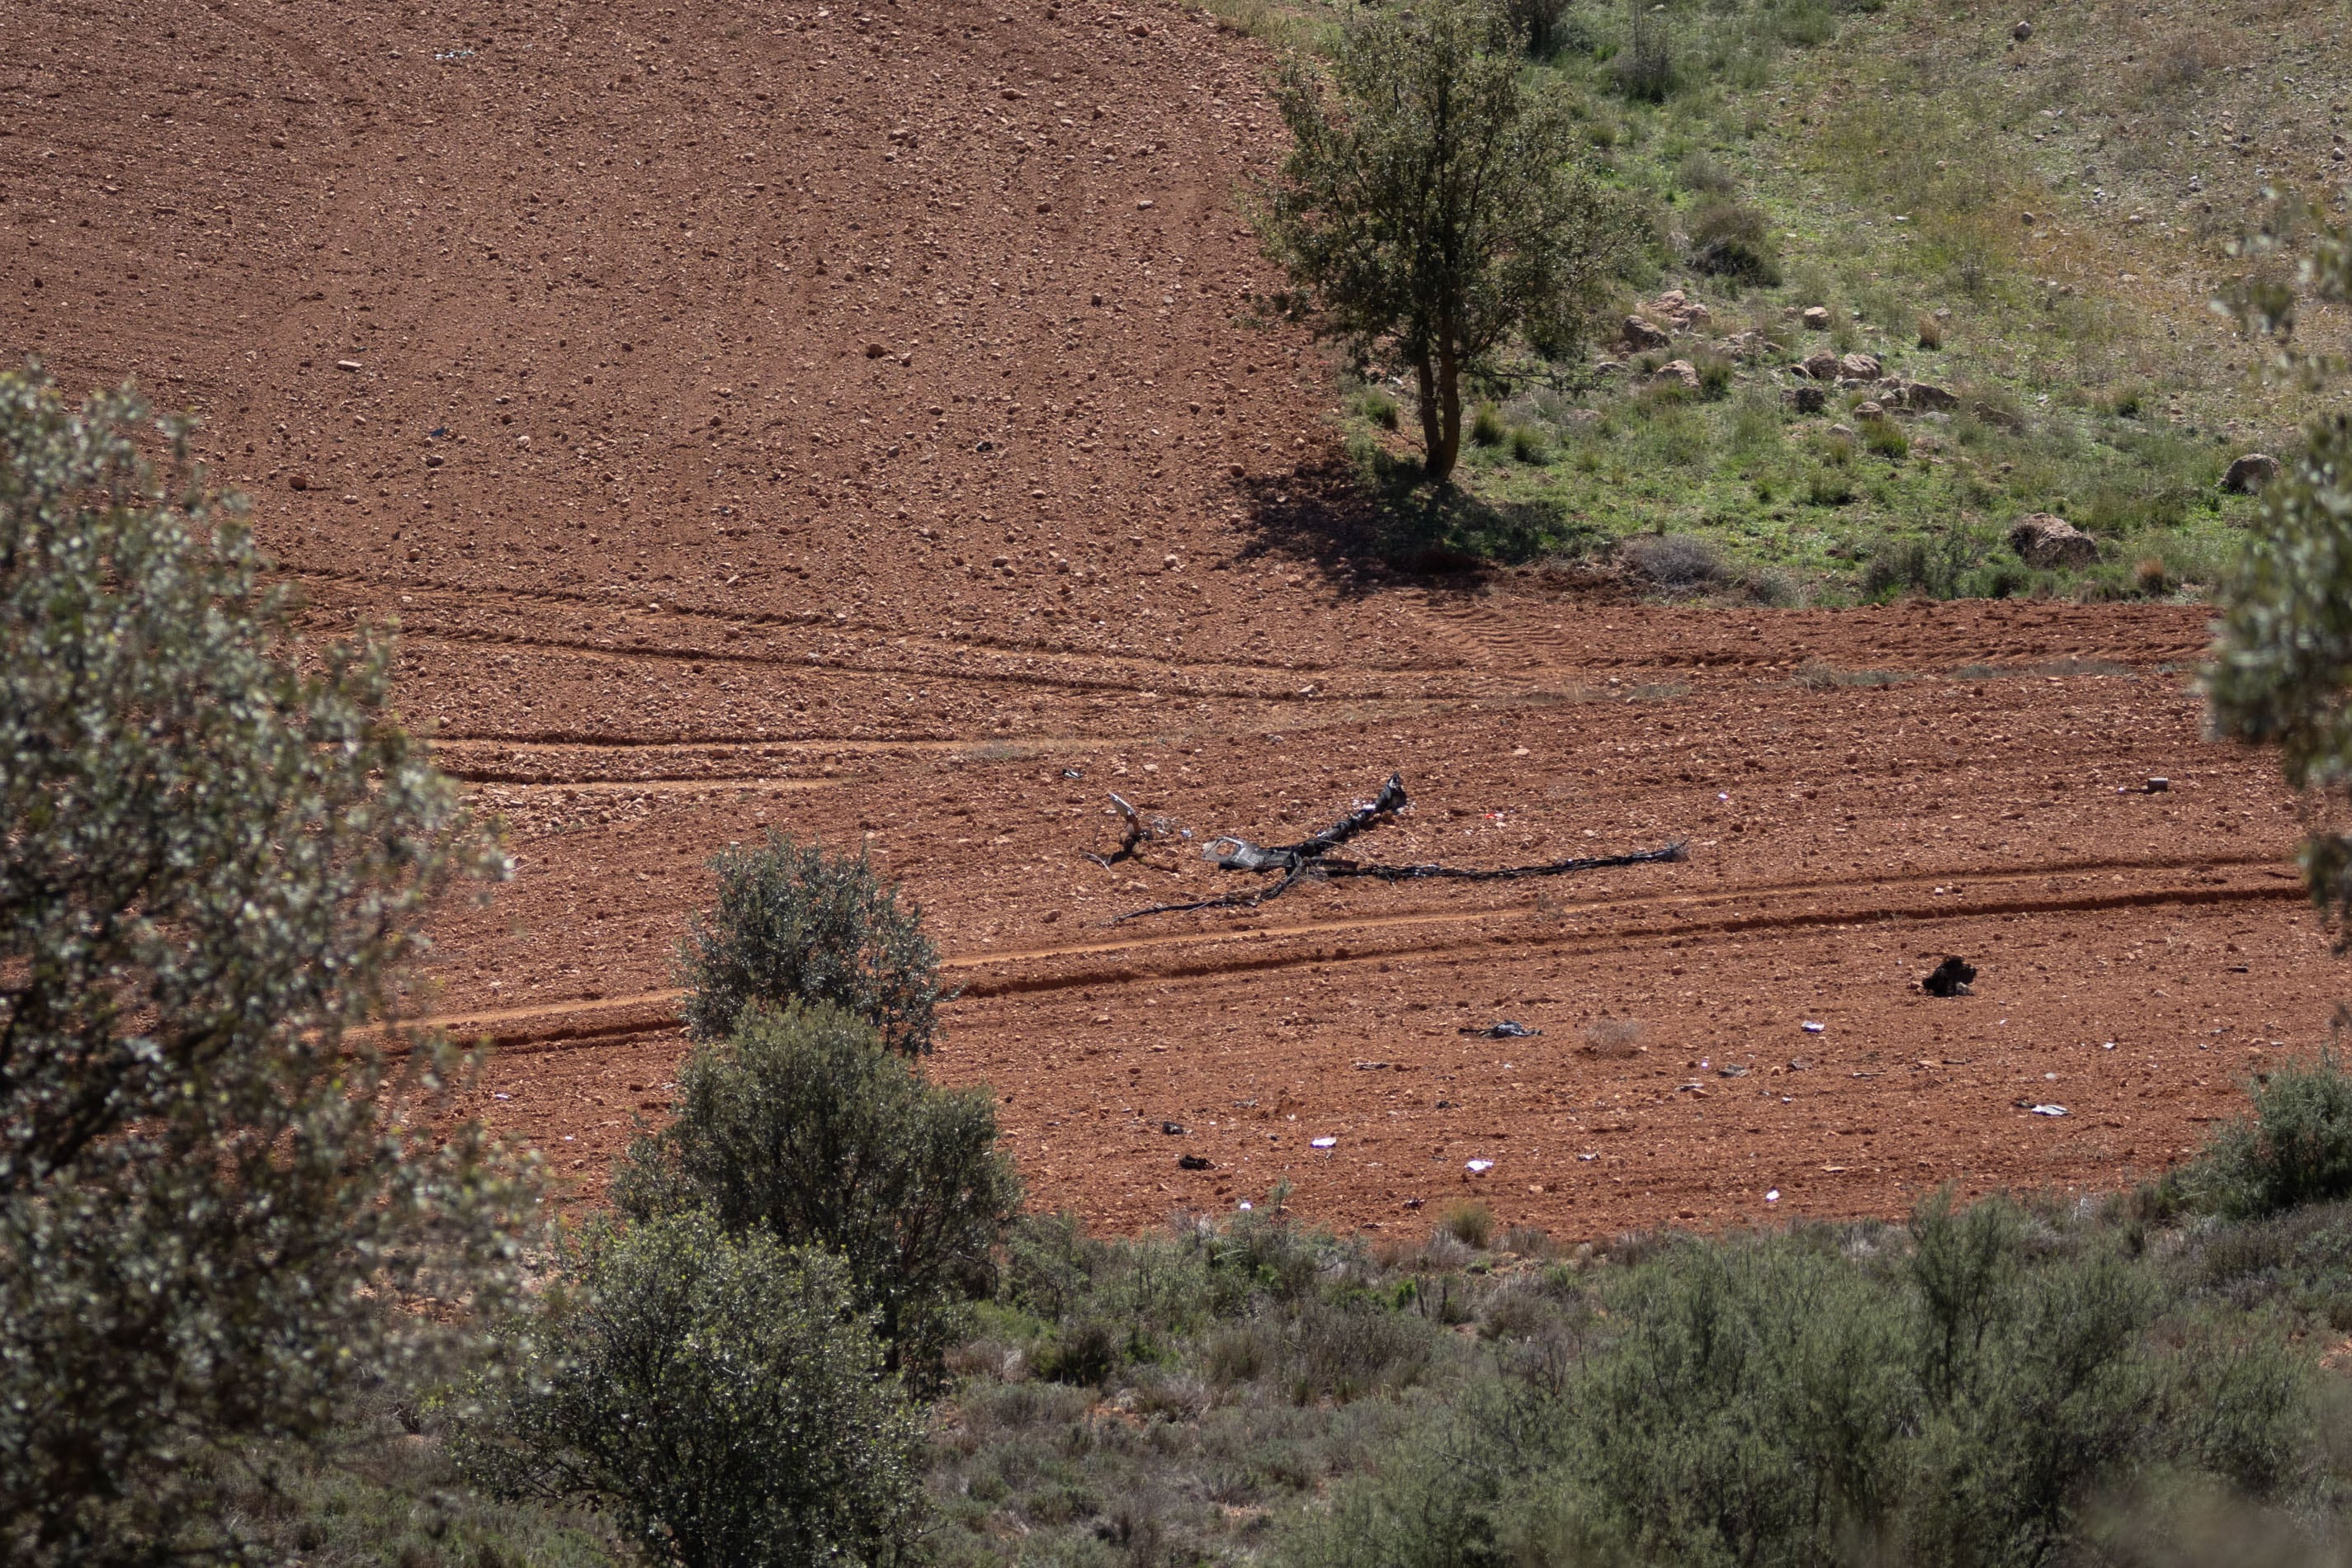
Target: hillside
column 852, row 424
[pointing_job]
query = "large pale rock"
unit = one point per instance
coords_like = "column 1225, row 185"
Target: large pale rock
column 2043, row 541
column 1639, row 334
column 2250, row 473
column 1861, row 368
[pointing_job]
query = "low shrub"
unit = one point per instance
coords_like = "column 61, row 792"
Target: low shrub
column 1486, row 427
column 1469, row 1222
column 1958, row 1396
column 795, row 923
column 801, row 1126
column 1931, row 331
column 1528, row 445
column 1379, row 407
column 1644, row 66
column 1700, row 173
column 1714, row 375
column 719, row 1395
column 1673, row 563
column 1732, row 239
column 2296, row 1147
column 1887, row 438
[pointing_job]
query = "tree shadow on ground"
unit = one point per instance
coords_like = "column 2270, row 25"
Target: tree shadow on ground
column 1361, row 526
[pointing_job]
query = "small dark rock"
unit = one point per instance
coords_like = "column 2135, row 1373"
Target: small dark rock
column 1951, row 978
column 1194, row 1162
column 1173, row 1128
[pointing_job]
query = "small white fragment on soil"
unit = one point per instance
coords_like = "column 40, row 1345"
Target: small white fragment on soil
column 1479, row 1167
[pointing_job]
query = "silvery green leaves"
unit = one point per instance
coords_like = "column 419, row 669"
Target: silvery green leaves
column 213, row 1191
column 2284, row 657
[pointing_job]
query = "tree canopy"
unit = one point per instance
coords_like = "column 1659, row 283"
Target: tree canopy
column 218, row 1184
column 1435, row 207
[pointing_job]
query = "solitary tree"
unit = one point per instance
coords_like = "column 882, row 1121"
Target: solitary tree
column 2282, row 668
column 1435, row 207
column 222, row 1199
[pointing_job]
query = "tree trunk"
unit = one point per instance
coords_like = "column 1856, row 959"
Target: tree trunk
column 1437, row 455
column 1441, row 425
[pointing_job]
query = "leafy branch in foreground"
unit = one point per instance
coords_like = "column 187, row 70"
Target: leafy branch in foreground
column 220, row 1199
column 2283, row 664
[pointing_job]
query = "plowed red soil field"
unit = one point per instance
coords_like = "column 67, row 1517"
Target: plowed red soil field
column 841, row 419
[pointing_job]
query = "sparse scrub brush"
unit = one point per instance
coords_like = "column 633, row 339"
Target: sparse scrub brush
column 1732, row 239
column 795, row 923
column 1486, row 427
column 1469, row 1222
column 2296, row 1148
column 1931, row 332
column 1886, row 437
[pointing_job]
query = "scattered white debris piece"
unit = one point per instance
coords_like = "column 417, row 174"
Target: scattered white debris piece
column 1773, row 1196
column 1244, row 1204
column 1813, row 1028
column 1323, row 1142
column 1479, row 1167
column 2049, row 1111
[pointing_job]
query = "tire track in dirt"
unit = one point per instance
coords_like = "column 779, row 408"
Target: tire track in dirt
column 2280, row 886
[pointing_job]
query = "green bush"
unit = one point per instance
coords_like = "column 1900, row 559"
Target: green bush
column 2295, row 1149
column 800, row 1125
column 795, row 923
column 1379, row 407
column 1469, row 1222
column 1886, row 437
column 719, row 1395
column 224, row 1204
column 1956, row 1396
column 1732, row 239
column 1644, row 66
column 1486, row 427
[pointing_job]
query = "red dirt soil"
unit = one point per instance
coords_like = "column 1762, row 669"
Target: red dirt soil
column 841, row 421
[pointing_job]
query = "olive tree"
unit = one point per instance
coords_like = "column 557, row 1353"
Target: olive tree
column 1435, row 207
column 803, row 1125
column 2282, row 665
column 795, row 923
column 222, row 1201
column 719, row 1395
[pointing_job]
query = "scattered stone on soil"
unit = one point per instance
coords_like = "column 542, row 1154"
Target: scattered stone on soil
column 1816, row 317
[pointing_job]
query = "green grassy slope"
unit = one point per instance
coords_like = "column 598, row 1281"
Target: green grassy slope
column 2038, row 226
